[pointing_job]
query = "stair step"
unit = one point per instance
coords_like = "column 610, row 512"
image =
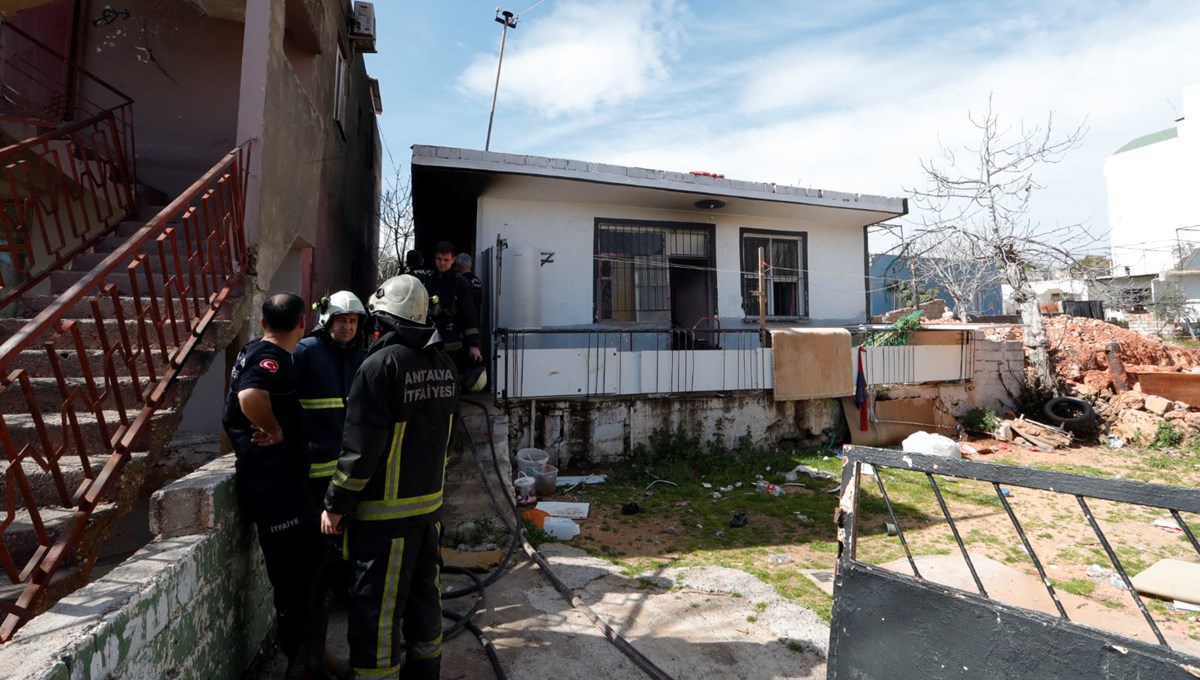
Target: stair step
column 31, row 305
column 37, row 363
column 50, row 398
column 89, row 261
column 23, row 541
column 21, row 428
column 89, row 332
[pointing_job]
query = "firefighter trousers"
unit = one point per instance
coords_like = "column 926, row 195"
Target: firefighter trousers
column 396, row 588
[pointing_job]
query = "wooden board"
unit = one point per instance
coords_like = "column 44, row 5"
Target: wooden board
column 1183, row 387
column 1170, row 580
column 896, row 419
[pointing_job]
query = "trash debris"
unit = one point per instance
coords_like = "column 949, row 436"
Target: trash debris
column 1116, row 582
column 631, row 509
column 794, row 474
column 1186, row 606
column 778, row 558
column 574, row 480
column 659, row 481
column 738, row 520
column 890, row 529
column 1115, row 442
column 1007, row 493
column 737, row 485
column 699, row 526
column 967, row 450
column 720, row 533
column 706, row 485
column 931, row 445
column 1097, row 571
column 835, row 490
column 562, row 528
column 716, row 495
column 562, row 509
column 1168, row 525
column 768, row 468
column 727, row 489
column 769, row 488
column 801, row 517
column 669, row 530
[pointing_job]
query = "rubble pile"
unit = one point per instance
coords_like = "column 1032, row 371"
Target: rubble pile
column 1079, row 355
column 1078, row 350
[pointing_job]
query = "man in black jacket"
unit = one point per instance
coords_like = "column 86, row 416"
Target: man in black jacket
column 387, row 491
column 452, row 309
column 326, row 361
column 265, row 424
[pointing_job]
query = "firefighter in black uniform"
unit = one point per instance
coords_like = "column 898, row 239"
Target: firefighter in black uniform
column 326, row 361
column 452, row 309
column 462, row 265
column 265, row 424
column 387, row 491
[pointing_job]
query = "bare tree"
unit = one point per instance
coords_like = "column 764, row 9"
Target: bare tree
column 984, row 204
column 957, row 266
column 395, row 226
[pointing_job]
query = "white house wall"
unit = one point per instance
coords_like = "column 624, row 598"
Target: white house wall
column 1151, row 193
column 836, row 293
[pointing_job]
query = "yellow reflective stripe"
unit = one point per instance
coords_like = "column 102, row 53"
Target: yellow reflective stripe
column 426, row 650
column 389, row 672
column 391, row 584
column 318, row 470
column 391, row 487
column 348, row 483
column 451, row 346
column 322, row 403
column 398, row 508
column 471, row 331
column 446, row 452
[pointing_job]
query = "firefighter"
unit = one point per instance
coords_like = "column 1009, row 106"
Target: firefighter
column 387, row 491
column 264, row 422
column 453, row 310
column 326, row 361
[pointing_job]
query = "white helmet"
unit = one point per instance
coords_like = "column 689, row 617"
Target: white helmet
column 402, row 296
column 341, row 302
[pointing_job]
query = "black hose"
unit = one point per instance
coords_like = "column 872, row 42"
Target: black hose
column 639, row 659
column 488, row 647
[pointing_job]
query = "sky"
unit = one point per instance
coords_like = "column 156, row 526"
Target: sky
column 847, row 96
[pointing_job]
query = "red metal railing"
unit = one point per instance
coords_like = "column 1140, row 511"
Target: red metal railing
column 73, row 179
column 90, row 387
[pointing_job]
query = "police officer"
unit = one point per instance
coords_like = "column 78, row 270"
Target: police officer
column 387, row 491
column 264, row 422
column 326, row 361
column 453, row 309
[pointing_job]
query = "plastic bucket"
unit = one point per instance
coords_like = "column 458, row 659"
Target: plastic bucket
column 546, row 481
column 524, row 486
column 532, row 461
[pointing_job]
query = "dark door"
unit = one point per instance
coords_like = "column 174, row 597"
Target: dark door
column 691, row 300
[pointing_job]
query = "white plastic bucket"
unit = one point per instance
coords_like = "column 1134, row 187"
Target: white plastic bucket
column 532, row 461
column 524, row 486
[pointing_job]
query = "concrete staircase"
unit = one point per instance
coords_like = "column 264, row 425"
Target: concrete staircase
column 53, row 490
column 467, row 504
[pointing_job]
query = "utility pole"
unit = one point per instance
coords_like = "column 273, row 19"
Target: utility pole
column 507, row 20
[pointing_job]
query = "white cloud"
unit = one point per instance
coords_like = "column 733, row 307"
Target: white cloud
column 581, row 56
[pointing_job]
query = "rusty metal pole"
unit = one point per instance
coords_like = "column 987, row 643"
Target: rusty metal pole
column 1116, row 367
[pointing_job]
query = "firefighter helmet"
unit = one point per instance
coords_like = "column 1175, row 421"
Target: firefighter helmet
column 403, row 297
column 341, row 302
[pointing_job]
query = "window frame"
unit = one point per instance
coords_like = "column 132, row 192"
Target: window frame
column 801, row 237
column 709, row 232
column 341, row 85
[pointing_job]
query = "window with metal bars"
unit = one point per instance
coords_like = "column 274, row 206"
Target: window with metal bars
column 786, row 277
column 633, row 267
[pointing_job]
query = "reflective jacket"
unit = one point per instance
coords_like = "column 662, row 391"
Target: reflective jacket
column 398, row 421
column 454, row 312
column 326, row 371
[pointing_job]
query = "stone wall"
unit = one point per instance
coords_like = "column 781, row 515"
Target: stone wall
column 195, row 603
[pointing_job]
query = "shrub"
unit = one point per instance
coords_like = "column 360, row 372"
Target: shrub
column 980, row 420
column 1166, row 436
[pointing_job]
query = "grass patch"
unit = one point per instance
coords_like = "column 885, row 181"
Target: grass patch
column 1076, row 586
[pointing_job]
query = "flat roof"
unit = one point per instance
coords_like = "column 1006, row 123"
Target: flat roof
column 1148, row 140
column 665, row 180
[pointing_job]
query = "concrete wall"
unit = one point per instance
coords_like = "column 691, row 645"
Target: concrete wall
column 836, row 285
column 608, row 429
column 182, row 70
column 1150, row 192
column 195, row 603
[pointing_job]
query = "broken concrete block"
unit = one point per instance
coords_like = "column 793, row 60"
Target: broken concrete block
column 1136, row 426
column 1157, row 405
column 1129, row 401
column 1180, row 406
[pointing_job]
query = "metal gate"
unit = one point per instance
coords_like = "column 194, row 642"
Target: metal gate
column 889, row 625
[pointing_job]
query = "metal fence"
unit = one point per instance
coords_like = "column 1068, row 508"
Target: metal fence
column 149, row 303
column 71, row 178
column 935, row 630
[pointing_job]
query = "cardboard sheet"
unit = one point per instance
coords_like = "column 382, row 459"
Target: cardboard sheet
column 1170, row 580
column 896, row 419
column 812, row 363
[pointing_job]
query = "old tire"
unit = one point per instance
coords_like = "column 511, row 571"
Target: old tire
column 1068, row 412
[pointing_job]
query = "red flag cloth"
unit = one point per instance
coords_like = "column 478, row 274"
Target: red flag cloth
column 861, row 398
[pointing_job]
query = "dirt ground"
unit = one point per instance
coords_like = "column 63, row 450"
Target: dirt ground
column 1054, row 525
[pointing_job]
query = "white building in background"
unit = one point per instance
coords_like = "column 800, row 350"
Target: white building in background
column 1154, row 219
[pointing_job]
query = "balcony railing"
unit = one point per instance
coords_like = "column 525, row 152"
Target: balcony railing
column 70, row 180
column 595, row 362
column 147, row 306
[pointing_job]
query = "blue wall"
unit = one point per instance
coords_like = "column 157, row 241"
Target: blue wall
column 888, row 268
